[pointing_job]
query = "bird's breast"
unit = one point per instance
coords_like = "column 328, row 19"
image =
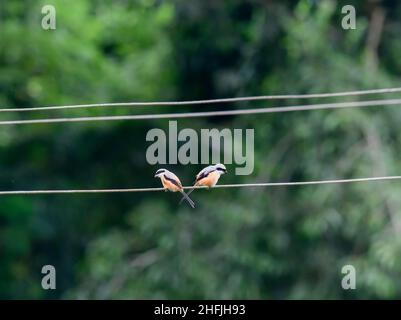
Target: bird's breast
column 210, row 180
column 169, row 185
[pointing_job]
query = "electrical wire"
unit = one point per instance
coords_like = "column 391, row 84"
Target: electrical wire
column 338, row 105
column 240, row 185
column 208, row 101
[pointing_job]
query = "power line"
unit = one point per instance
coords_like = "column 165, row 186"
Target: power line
column 209, row 101
column 338, row 105
column 240, row 185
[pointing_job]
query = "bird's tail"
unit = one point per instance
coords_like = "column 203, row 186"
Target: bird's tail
column 185, row 196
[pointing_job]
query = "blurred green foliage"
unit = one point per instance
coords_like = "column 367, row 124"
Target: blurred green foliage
column 274, row 243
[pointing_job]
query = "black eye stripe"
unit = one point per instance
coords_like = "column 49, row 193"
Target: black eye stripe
column 220, row 169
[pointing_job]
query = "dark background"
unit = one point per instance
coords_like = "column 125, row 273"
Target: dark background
column 270, row 243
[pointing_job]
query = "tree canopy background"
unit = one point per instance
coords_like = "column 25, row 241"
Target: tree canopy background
column 270, row 243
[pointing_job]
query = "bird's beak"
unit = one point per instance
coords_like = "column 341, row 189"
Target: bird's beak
column 156, row 175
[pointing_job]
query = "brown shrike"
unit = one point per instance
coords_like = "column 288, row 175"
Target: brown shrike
column 208, row 176
column 171, row 183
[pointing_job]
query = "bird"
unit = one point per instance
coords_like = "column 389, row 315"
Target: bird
column 171, row 183
column 208, row 176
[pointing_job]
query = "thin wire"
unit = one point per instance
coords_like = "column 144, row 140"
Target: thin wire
column 338, row 105
column 240, row 185
column 210, row 101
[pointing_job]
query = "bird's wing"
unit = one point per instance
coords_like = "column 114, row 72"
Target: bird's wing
column 204, row 173
column 173, row 178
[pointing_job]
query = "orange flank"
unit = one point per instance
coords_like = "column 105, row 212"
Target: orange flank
column 167, row 184
column 210, row 180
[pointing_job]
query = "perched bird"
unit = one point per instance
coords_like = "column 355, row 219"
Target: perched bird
column 171, row 183
column 208, row 176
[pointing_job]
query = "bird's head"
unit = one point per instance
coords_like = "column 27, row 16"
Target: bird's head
column 221, row 168
column 159, row 173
